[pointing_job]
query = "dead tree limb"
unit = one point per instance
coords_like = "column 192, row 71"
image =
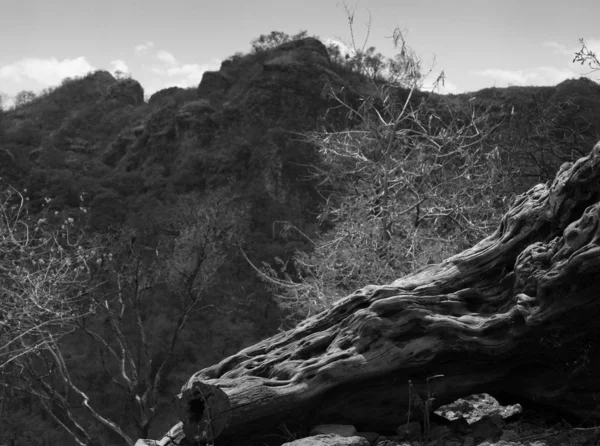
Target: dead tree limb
column 515, row 315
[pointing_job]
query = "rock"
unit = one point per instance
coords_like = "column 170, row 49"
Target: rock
column 410, row 431
column 102, row 77
column 342, row 430
column 469, row 441
column 476, row 406
column 171, row 438
column 371, row 437
column 497, row 420
column 511, row 412
column 485, row 428
column 385, row 441
column 460, row 426
column 214, row 82
column 165, row 96
column 512, row 443
column 128, row 91
column 329, row 440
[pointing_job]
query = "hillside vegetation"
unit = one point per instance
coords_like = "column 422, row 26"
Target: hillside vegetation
column 184, row 228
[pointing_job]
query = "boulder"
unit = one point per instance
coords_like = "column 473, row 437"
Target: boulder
column 214, row 83
column 101, row 80
column 336, row 429
column 371, row 437
column 329, row 440
column 127, row 91
column 485, row 428
column 166, row 95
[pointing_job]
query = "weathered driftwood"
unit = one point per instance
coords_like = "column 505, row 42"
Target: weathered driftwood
column 516, row 315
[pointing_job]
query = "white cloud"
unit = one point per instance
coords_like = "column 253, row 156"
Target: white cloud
column 183, row 75
column 118, row 65
column 166, row 57
column 143, row 48
column 593, row 44
column 47, row 72
column 192, row 70
column 11, row 72
column 559, row 48
column 185, row 69
column 533, row 76
column 162, row 69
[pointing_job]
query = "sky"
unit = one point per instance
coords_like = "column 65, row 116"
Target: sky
column 164, row 43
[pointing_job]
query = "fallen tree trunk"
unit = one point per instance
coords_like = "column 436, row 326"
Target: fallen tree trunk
column 516, row 315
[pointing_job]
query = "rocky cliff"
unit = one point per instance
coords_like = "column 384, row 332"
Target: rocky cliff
column 93, row 143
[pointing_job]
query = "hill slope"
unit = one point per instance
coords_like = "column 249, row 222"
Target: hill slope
column 94, row 143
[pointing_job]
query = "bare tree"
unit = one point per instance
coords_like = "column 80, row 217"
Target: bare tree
column 45, row 279
column 404, row 68
column 587, row 56
column 134, row 355
column 408, row 184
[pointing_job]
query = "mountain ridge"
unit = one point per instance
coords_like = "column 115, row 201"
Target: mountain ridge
column 94, row 143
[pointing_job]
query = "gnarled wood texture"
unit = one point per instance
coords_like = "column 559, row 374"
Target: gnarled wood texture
column 515, row 315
